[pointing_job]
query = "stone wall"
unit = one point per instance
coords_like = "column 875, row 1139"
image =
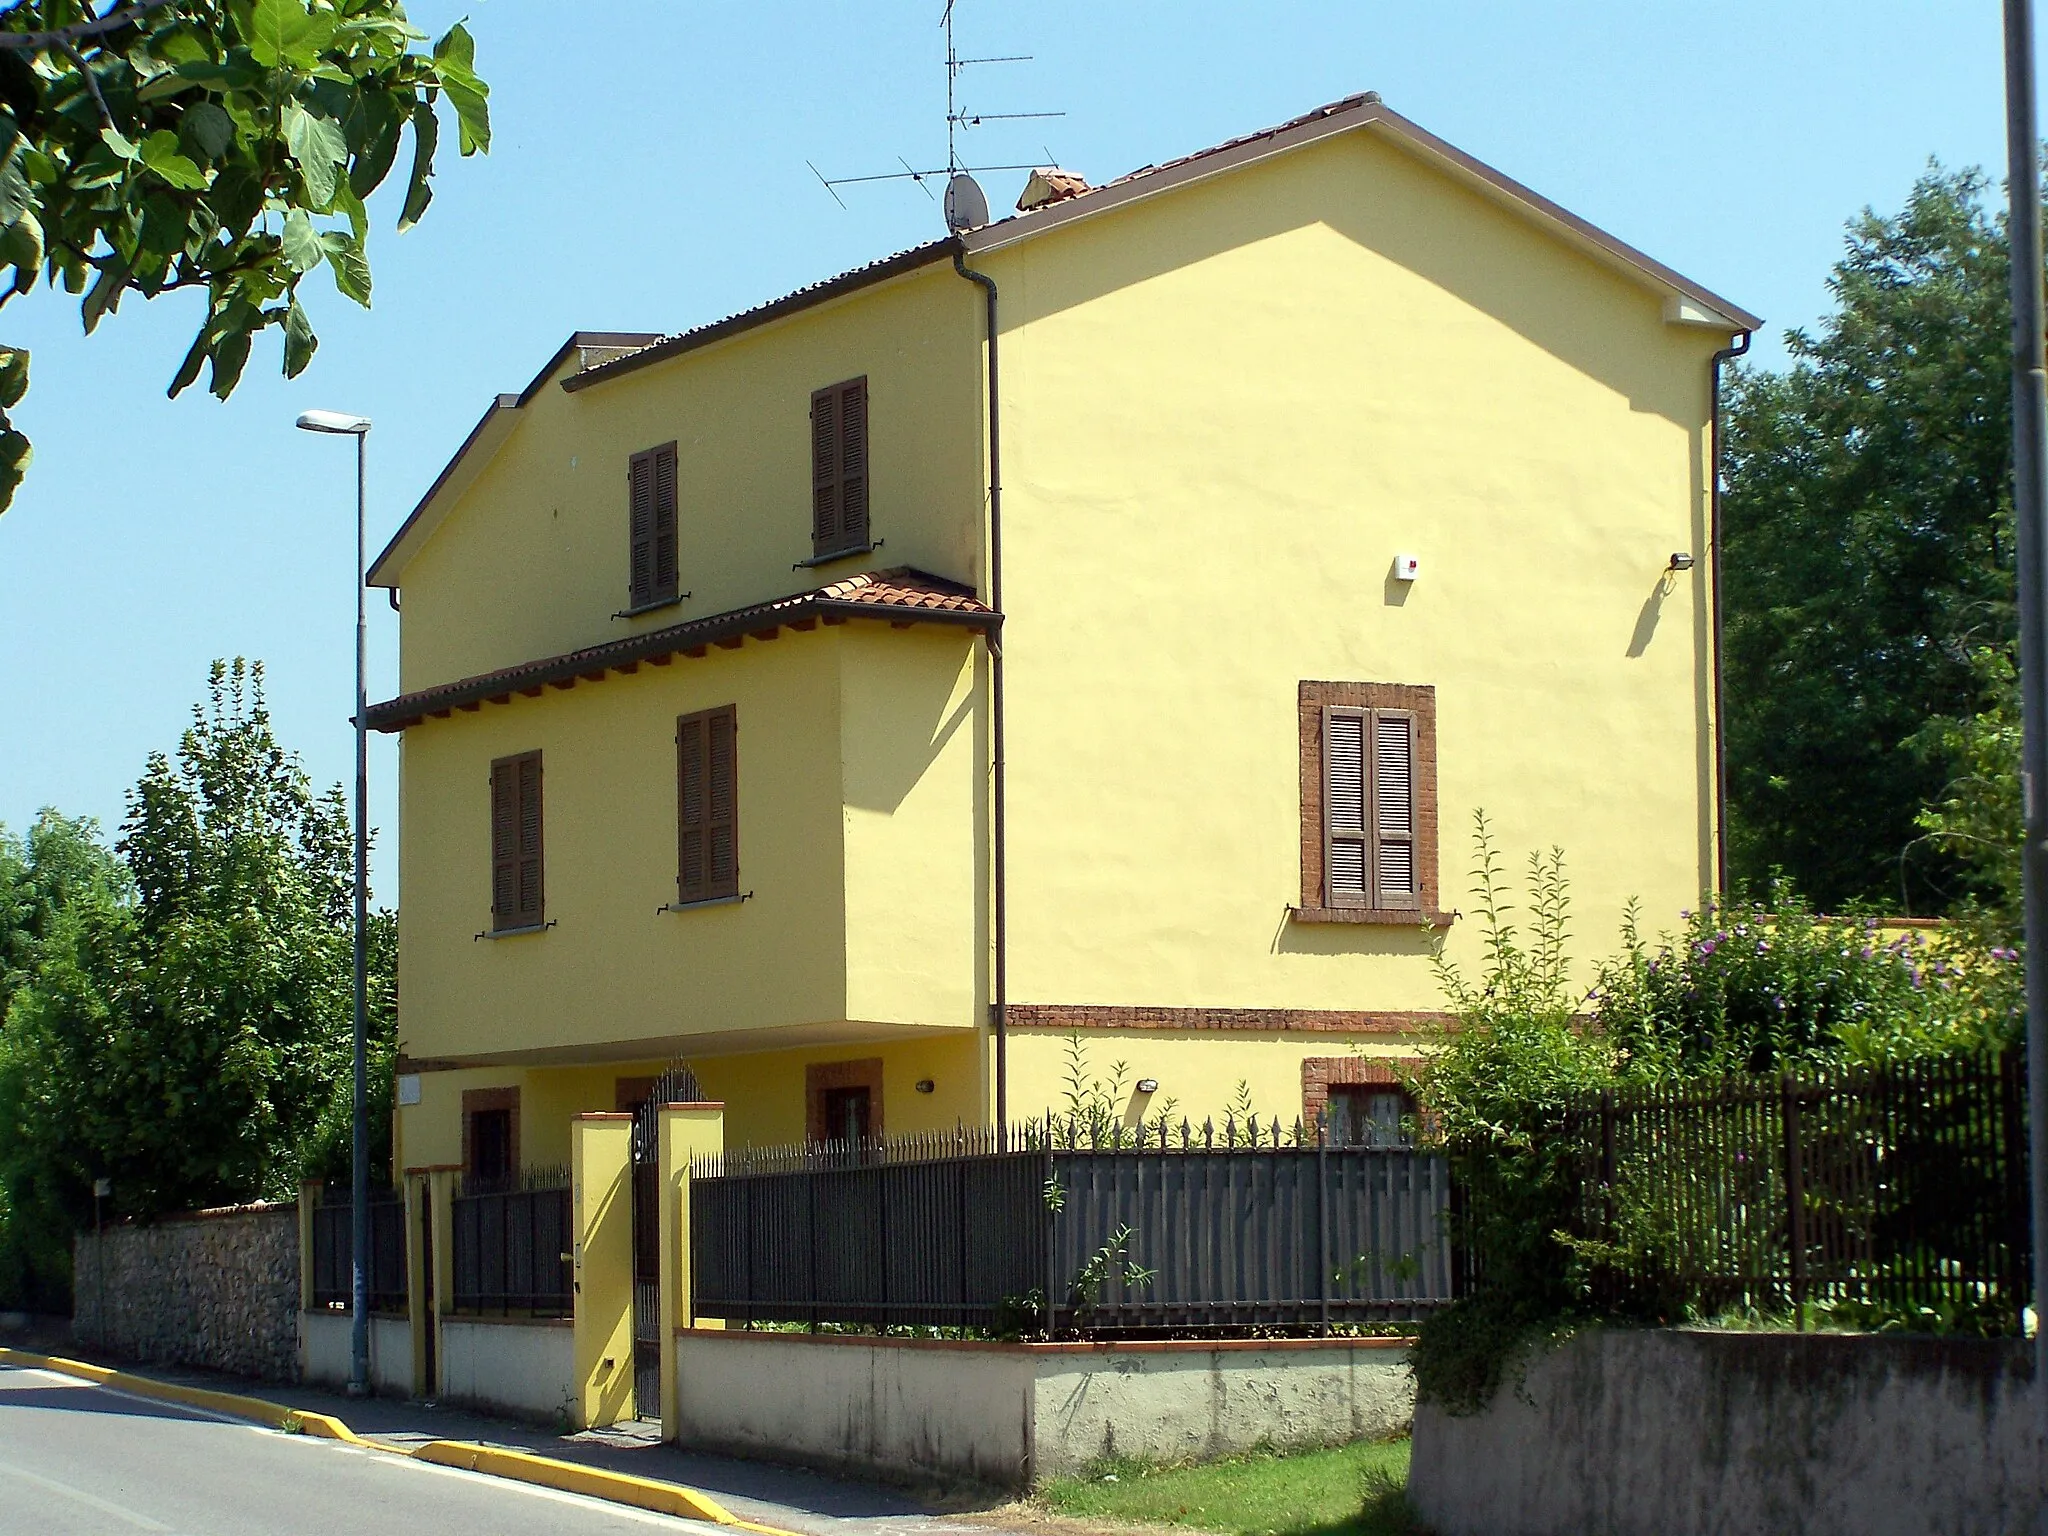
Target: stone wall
column 1705, row 1433
column 218, row 1289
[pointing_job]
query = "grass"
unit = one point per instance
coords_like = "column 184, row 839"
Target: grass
column 1352, row 1490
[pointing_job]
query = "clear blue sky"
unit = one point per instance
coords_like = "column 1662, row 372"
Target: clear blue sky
column 649, row 173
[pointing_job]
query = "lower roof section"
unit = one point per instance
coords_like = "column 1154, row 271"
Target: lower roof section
column 903, row 596
column 731, row 1042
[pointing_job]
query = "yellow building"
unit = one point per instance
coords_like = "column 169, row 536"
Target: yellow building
column 1099, row 624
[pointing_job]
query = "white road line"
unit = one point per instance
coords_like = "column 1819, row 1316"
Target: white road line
column 58, row 1378
column 581, row 1501
column 90, row 1500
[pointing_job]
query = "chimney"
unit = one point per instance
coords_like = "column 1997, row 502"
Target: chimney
column 1049, row 184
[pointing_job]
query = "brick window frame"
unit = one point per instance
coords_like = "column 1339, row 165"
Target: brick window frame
column 821, row 1077
column 1312, row 699
column 1319, row 1074
column 480, row 1100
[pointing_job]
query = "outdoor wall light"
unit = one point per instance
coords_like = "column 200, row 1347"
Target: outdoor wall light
column 1680, row 562
column 926, row 1085
column 1148, row 1085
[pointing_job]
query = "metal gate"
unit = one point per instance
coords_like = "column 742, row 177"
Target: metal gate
column 678, row 1085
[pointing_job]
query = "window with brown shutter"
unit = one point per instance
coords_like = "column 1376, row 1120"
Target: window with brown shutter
column 1368, row 803
column 516, row 864
column 839, row 468
column 707, row 805
column 652, row 568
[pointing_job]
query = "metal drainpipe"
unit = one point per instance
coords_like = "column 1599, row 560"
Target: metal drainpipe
column 998, row 800
column 1720, row 692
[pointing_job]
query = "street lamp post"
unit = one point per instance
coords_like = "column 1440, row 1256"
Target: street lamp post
column 2030, row 514
column 358, row 427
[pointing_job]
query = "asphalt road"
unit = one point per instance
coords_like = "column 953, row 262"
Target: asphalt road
column 80, row 1460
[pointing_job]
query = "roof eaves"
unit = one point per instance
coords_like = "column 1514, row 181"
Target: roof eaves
column 691, row 637
column 1325, row 122
column 580, row 341
column 503, row 403
column 813, row 294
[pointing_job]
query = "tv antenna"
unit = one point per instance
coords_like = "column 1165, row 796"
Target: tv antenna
column 966, row 205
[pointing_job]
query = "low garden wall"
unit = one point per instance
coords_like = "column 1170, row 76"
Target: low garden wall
column 1698, row 1433
column 522, row 1367
column 218, row 1289
column 1016, row 1414
column 326, row 1352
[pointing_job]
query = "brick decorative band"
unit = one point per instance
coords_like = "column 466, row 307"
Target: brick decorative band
column 1066, row 1017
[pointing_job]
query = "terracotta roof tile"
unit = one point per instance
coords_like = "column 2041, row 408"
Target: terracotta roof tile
column 880, row 594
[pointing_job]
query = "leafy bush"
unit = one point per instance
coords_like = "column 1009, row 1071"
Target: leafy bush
column 1497, row 1086
column 1755, row 988
column 1751, row 988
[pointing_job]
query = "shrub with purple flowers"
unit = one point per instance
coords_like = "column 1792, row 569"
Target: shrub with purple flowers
column 1758, row 987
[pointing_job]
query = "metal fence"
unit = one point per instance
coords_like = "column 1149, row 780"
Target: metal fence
column 1903, row 1187
column 512, row 1245
column 334, row 1249
column 1120, row 1233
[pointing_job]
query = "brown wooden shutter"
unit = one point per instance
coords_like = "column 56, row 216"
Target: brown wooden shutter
column 824, row 470
column 1346, row 855
column 707, row 804
column 652, row 568
column 504, row 844
column 853, row 464
column 1395, row 886
column 517, row 877
column 530, row 870
column 640, row 565
column 839, row 468
column 665, row 564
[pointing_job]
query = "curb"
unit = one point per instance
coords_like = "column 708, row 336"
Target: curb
column 516, row 1466
column 323, row 1425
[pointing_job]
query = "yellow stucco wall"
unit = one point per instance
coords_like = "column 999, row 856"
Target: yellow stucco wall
column 1198, row 1072
column 859, row 781
column 532, row 560
column 1227, row 409
column 763, row 1094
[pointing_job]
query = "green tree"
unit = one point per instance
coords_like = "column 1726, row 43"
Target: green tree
column 223, row 146
column 191, row 1042
column 59, row 863
column 1870, row 559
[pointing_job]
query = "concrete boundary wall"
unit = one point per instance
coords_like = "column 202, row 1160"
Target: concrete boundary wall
column 1012, row 1415
column 522, row 1367
column 324, row 1352
column 218, row 1289
column 1700, row 1433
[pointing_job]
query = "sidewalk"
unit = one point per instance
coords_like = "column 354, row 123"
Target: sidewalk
column 812, row 1503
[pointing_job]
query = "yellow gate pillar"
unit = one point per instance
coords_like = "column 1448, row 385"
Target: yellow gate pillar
column 686, row 1131
column 601, row 1168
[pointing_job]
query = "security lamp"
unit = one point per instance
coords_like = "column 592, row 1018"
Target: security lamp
column 338, row 422
column 1148, row 1085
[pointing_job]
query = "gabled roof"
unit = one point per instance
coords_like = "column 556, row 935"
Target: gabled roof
column 903, row 596
column 1685, row 302
column 489, row 434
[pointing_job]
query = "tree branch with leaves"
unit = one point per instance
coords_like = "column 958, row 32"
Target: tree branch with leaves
column 221, row 145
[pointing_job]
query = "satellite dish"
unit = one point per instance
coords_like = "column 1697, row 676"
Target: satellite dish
column 966, row 206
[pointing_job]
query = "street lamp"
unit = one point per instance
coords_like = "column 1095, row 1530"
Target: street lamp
column 358, row 427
